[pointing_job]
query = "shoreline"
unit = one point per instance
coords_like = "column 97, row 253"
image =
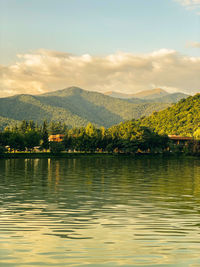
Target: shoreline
column 43, row 155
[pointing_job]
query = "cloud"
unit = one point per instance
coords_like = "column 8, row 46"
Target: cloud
column 190, row 4
column 193, row 44
column 42, row 71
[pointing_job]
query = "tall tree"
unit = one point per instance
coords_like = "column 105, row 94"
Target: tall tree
column 32, row 139
column 23, row 126
column 44, row 135
column 16, row 141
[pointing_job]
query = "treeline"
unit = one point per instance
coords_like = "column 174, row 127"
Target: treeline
column 127, row 137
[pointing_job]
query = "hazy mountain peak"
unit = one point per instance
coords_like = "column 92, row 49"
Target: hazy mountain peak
column 147, row 94
column 118, row 94
column 65, row 92
column 157, row 92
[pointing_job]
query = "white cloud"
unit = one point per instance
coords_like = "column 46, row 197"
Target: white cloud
column 43, row 71
column 190, row 4
column 193, row 44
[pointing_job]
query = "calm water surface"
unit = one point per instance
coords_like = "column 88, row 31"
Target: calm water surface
column 100, row 212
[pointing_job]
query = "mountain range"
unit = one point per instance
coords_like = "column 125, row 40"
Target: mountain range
column 157, row 95
column 76, row 107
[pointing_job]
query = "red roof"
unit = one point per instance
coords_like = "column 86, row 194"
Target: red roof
column 56, row 137
column 178, row 137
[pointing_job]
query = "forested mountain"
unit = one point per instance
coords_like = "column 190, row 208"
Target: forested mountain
column 74, row 107
column 182, row 118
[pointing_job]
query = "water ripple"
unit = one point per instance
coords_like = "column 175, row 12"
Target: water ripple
column 100, row 212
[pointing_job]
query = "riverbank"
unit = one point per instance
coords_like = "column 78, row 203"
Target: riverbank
column 39, row 155
column 35, row 155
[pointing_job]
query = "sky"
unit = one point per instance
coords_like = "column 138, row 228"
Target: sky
column 99, row 45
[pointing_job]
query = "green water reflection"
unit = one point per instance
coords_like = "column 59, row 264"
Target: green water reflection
column 100, row 212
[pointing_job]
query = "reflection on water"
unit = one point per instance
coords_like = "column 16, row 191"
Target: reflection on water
column 100, row 212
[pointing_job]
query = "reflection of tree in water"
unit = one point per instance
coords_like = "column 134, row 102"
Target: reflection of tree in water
column 108, row 180
column 117, row 180
column 129, row 207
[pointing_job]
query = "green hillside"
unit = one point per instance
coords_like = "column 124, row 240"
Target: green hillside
column 182, row 118
column 5, row 122
column 74, row 107
column 30, row 107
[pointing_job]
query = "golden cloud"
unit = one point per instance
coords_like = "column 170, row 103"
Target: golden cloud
column 44, row 70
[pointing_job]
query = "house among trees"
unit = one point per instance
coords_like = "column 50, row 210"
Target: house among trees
column 180, row 140
column 56, row 138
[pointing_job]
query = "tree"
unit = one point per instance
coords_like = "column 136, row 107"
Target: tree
column 56, row 147
column 31, row 126
column 32, row 139
column 197, row 134
column 44, row 135
column 16, row 141
column 23, row 126
column 57, row 128
column 2, row 149
column 4, row 138
column 92, row 137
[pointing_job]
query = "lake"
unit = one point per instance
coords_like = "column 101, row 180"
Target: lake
column 100, row 211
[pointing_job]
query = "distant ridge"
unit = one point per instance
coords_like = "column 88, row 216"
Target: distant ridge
column 157, row 95
column 147, row 94
column 170, row 98
column 73, row 106
column 119, row 95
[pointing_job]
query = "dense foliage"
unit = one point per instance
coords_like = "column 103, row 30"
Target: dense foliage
column 182, row 118
column 128, row 137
